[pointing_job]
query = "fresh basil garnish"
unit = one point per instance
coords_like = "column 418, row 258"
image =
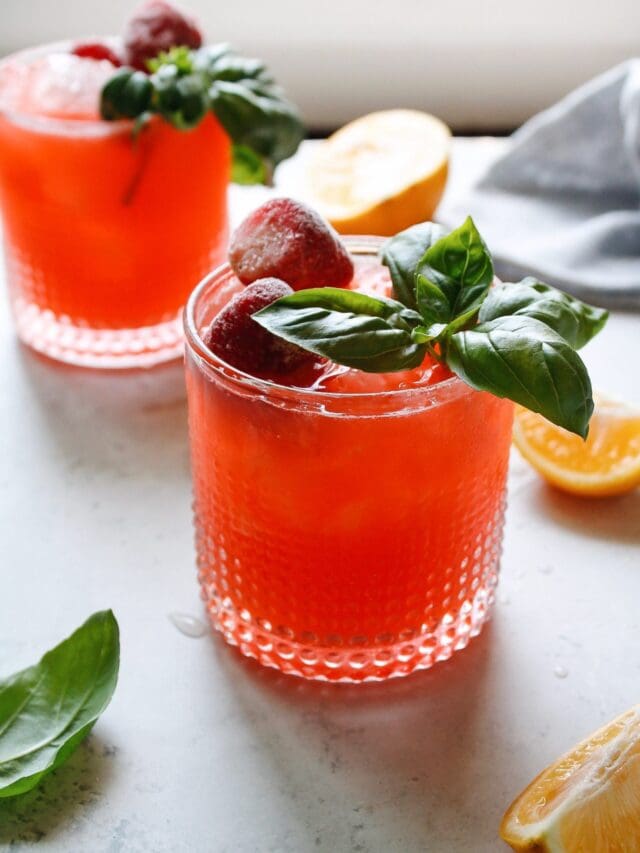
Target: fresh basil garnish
column 259, row 118
column 516, row 341
column 184, row 85
column 353, row 329
column 454, row 274
column 179, row 98
column 576, row 321
column 47, row 709
column 523, row 359
column 127, row 94
column 402, row 253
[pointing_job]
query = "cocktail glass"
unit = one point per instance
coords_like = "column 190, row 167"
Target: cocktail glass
column 106, row 230
column 342, row 537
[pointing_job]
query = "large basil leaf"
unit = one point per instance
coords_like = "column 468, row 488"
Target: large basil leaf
column 524, row 360
column 454, row 274
column 46, row 710
column 257, row 117
column 402, row 253
column 576, row 321
column 366, row 332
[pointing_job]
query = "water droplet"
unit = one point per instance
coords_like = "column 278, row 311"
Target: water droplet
column 188, row 625
column 560, row 671
column 545, row 570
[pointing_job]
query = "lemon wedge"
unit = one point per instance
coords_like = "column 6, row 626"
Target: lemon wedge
column 588, row 801
column 607, row 463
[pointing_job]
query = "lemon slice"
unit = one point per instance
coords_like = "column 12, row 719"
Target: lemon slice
column 382, row 172
column 607, row 463
column 588, row 801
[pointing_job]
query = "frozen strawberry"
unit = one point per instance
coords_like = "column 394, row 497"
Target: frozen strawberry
column 97, row 50
column 236, row 337
column 155, row 27
column 287, row 240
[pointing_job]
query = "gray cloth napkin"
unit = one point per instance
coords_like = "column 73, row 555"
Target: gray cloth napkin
column 564, row 202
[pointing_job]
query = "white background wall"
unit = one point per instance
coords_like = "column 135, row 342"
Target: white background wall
column 477, row 63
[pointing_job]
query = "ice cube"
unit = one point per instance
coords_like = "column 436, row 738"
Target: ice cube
column 59, row 85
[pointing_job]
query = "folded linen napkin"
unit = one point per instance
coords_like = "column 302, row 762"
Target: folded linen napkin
column 563, row 202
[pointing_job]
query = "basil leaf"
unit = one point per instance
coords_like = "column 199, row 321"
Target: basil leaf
column 258, row 118
column 454, row 275
column 127, row 94
column 464, row 320
column 205, row 58
column 524, row 360
column 263, row 125
column 402, row 253
column 576, row 321
column 433, row 303
column 181, row 100
column 46, row 710
column 231, row 67
column 366, row 332
column 426, row 334
column 247, row 167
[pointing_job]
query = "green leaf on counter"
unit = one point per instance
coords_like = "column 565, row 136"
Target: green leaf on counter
column 48, row 709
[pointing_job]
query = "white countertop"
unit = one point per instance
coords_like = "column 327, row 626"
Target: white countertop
column 204, row 751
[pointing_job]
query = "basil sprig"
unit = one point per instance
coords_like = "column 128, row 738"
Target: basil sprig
column 517, row 341
column 47, row 709
column 184, row 85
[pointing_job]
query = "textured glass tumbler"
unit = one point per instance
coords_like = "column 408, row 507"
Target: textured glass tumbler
column 107, row 232
column 342, row 537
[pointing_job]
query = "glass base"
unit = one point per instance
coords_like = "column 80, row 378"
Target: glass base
column 354, row 664
column 58, row 338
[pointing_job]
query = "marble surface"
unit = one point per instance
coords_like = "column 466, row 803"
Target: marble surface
column 204, row 751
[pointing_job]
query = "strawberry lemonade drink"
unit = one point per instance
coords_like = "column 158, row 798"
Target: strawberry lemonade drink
column 113, row 188
column 348, row 523
column 350, row 416
column 104, row 234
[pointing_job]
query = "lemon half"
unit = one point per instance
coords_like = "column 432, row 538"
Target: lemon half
column 382, row 172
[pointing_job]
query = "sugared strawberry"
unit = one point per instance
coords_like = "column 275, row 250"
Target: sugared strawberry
column 236, row 337
column 288, row 240
column 155, row 27
column 97, row 50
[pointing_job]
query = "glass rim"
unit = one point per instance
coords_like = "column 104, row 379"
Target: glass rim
column 449, row 388
column 76, row 127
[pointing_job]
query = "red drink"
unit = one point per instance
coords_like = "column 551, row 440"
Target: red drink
column 349, row 530
column 105, row 234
